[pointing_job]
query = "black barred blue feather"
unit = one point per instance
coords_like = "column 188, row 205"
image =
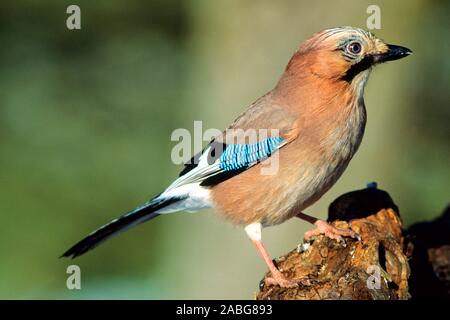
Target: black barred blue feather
column 219, row 161
column 238, row 156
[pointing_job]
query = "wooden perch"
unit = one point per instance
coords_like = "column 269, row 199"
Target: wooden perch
column 374, row 268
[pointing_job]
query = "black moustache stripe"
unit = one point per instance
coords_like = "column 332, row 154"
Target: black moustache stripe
column 355, row 69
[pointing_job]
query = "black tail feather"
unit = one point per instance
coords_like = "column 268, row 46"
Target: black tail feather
column 128, row 220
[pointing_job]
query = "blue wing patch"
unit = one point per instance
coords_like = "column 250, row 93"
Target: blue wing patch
column 238, row 156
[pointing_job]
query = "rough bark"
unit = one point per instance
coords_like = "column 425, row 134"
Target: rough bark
column 375, row 267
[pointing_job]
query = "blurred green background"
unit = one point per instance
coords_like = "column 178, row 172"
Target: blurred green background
column 86, row 118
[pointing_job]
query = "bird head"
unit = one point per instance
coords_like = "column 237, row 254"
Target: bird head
column 343, row 53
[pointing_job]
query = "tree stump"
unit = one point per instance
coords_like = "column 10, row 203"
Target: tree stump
column 429, row 251
column 374, row 267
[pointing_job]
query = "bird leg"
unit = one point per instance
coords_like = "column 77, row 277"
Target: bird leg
column 323, row 227
column 277, row 277
column 254, row 233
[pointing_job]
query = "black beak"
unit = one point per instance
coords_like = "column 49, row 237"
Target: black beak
column 393, row 53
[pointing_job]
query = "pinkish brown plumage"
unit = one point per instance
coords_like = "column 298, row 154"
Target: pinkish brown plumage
column 306, row 130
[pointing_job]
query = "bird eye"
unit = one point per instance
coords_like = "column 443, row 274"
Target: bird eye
column 354, row 47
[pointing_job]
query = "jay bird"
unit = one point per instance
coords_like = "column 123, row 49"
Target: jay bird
column 311, row 123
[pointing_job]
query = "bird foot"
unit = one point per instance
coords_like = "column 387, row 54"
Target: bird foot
column 323, row 227
column 277, row 279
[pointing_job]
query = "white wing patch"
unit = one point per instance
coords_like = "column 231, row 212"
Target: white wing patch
column 197, row 197
column 198, row 174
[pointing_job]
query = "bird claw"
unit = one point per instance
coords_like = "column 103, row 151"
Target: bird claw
column 323, row 227
column 285, row 283
column 277, row 279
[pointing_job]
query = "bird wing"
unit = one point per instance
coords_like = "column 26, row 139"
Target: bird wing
column 252, row 137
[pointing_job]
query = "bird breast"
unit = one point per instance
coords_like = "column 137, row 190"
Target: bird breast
column 312, row 164
column 307, row 168
column 322, row 160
